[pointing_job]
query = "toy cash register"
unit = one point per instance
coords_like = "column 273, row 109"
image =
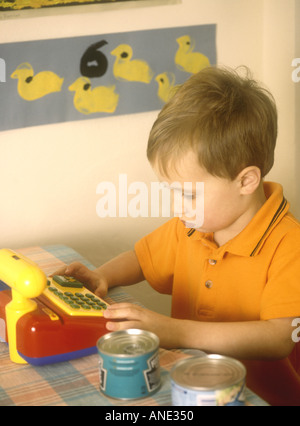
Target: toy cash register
column 45, row 321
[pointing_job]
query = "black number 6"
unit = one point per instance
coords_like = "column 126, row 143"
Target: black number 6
column 94, row 63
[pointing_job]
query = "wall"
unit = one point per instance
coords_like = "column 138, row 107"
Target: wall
column 279, row 46
column 49, row 174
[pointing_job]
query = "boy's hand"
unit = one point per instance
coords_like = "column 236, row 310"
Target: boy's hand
column 125, row 316
column 93, row 281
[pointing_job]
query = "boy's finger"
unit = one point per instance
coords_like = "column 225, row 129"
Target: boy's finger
column 124, row 325
column 73, row 268
column 124, row 305
column 126, row 311
column 61, row 271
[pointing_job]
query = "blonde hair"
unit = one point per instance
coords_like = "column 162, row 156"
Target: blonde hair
column 229, row 120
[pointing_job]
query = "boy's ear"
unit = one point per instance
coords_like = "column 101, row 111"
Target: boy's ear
column 249, row 180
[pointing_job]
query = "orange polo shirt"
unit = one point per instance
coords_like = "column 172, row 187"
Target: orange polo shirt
column 255, row 276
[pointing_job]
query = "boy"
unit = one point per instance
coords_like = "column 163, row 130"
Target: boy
column 235, row 278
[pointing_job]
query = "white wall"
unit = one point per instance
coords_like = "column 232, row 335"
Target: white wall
column 279, row 47
column 49, row 174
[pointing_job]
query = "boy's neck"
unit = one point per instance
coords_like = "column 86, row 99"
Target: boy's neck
column 258, row 199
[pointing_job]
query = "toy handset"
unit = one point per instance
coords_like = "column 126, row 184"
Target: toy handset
column 27, row 281
column 64, row 321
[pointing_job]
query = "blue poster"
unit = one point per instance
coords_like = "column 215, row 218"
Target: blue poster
column 70, row 79
column 7, row 5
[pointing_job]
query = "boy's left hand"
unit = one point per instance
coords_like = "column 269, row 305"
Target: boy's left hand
column 126, row 316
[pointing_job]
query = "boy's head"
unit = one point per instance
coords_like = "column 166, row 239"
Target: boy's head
column 228, row 121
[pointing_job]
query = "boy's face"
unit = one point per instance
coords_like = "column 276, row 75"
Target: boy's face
column 218, row 198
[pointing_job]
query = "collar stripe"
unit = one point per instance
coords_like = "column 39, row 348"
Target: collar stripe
column 191, row 232
column 275, row 218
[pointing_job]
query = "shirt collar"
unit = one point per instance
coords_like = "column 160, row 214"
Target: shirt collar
column 250, row 241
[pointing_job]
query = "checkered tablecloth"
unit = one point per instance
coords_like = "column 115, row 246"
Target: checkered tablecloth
column 74, row 383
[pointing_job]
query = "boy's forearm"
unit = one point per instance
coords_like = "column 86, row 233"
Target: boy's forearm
column 123, row 270
column 243, row 340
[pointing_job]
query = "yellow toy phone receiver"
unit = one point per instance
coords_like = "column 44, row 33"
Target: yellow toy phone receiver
column 27, row 281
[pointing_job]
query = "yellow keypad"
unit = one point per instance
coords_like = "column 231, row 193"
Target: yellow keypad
column 73, row 298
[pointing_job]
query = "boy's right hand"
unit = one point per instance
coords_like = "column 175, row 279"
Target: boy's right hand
column 93, row 281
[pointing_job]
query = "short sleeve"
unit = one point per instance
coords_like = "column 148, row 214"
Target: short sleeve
column 157, row 255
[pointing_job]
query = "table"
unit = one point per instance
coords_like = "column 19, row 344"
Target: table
column 76, row 383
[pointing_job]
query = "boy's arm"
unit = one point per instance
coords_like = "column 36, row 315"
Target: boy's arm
column 266, row 340
column 123, row 270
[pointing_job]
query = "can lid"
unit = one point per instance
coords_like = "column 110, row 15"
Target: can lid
column 128, row 343
column 208, row 373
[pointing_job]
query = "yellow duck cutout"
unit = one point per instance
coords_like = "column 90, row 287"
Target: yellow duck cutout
column 186, row 59
column 131, row 70
column 89, row 101
column 166, row 86
column 32, row 87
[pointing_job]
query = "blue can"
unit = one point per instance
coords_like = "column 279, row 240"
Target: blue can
column 129, row 364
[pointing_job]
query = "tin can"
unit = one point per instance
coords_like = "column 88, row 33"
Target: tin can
column 129, row 364
column 212, row 380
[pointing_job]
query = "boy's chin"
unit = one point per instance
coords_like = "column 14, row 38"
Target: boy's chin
column 192, row 225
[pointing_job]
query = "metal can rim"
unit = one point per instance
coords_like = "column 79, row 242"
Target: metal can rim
column 132, row 332
column 203, row 359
